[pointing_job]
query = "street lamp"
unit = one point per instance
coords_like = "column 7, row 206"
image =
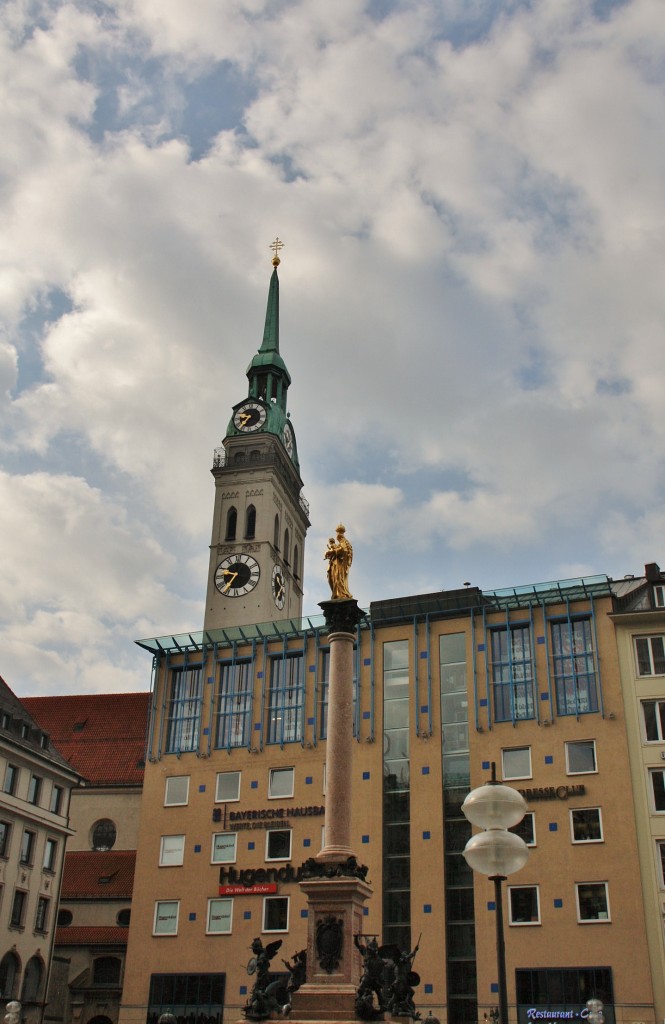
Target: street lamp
column 496, row 852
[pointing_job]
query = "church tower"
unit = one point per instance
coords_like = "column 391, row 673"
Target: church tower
column 260, row 517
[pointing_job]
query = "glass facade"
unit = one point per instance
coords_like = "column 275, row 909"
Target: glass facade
column 184, row 710
column 286, row 698
column 396, row 796
column 234, row 704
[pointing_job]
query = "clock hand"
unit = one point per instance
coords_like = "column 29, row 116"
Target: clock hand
column 233, row 575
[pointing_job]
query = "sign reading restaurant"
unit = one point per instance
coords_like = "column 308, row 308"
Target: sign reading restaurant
column 267, row 817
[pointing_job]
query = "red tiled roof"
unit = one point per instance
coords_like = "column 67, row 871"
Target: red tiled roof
column 91, row 935
column 85, row 868
column 102, row 735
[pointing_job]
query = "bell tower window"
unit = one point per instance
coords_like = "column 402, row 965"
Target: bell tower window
column 250, row 523
column 231, row 523
column 286, row 546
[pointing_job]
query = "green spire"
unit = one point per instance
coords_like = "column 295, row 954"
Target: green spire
column 267, row 372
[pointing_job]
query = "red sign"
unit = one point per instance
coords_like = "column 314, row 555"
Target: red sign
column 248, row 890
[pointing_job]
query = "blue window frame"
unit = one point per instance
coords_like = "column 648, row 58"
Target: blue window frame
column 512, row 673
column 286, row 698
column 574, row 667
column 184, row 709
column 234, row 704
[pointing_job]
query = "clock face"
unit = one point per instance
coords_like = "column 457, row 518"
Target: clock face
column 250, row 416
column 278, row 586
column 287, row 437
column 236, row 575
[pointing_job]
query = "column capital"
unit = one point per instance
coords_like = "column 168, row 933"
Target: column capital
column 342, row 615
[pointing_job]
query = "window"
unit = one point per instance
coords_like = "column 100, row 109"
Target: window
column 234, row 705
column 50, row 851
column 11, row 779
column 5, row 838
column 653, row 716
column 106, row 970
column 184, row 709
column 650, row 655
column 220, row 917
column 278, row 844
column 27, row 847
column 275, row 532
column 586, row 825
column 224, row 848
column 296, row 562
column 34, row 789
column 286, row 698
column 581, row 757
column 287, row 547
column 660, row 858
column 18, row 909
column 166, row 917
column 516, row 763
column 123, row 917
column 176, row 791
column 32, row 980
column 524, row 904
column 526, row 829
column 573, row 661
column 9, row 968
column 250, row 523
column 276, row 914
column 65, row 918
column 171, row 851
column 57, row 794
column 657, row 777
column 41, row 917
column 228, row 787
column 231, row 523
column 659, row 597
column 281, row 782
column 565, row 987
column 512, row 673
column 592, row 902
column 103, row 835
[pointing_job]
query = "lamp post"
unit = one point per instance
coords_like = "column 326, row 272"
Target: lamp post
column 497, row 853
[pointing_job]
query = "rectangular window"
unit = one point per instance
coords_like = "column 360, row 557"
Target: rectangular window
column 512, row 673
column 276, row 914
column 220, row 917
column 171, row 851
column 34, row 789
column 653, row 716
column 224, row 847
column 659, row 596
column 281, row 782
column 50, row 852
column 166, row 917
column 227, row 787
column 5, row 837
column 234, row 705
column 586, row 825
column 592, row 902
column 11, row 779
column 57, row 793
column 27, row 847
column 41, row 917
column 516, row 763
column 573, row 660
column 286, row 698
column 176, row 791
column 581, row 757
column 657, row 777
column 524, row 904
column 650, row 655
column 18, row 909
column 278, row 844
column 184, row 709
column 565, row 987
column 660, row 859
column 526, row 829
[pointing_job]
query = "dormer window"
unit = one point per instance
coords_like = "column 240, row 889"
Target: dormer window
column 659, row 596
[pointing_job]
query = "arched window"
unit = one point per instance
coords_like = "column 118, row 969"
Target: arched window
column 250, row 523
column 123, row 918
column 106, row 970
column 275, row 538
column 286, row 546
column 295, row 560
column 240, row 457
column 231, row 523
column 9, row 968
column 103, row 834
column 32, row 980
column 254, row 455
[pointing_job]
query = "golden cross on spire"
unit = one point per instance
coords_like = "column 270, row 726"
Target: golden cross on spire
column 276, row 246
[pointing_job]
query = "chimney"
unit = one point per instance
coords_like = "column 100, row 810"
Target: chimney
column 652, row 572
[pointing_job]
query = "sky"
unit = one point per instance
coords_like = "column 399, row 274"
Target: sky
column 471, row 194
